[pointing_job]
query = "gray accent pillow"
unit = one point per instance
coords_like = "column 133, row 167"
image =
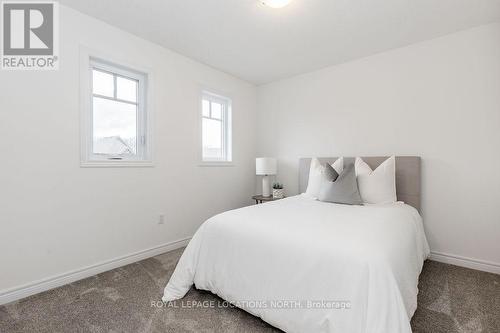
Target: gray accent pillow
column 343, row 190
column 330, row 174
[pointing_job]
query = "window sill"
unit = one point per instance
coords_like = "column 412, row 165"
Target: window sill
column 216, row 164
column 117, row 164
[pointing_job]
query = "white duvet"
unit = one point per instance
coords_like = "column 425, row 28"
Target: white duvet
column 341, row 268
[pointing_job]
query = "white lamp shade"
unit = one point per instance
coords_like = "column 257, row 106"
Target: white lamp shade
column 266, row 166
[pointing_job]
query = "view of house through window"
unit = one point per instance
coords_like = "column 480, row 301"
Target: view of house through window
column 118, row 115
column 216, row 131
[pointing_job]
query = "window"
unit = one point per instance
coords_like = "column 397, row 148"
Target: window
column 116, row 129
column 216, row 128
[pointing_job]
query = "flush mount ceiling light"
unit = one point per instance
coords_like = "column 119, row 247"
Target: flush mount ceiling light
column 276, row 3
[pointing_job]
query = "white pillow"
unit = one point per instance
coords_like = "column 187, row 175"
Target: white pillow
column 316, row 174
column 378, row 186
column 338, row 165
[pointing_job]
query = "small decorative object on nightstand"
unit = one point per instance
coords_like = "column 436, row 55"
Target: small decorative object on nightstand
column 278, row 191
column 261, row 199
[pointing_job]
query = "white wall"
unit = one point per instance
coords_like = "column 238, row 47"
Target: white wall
column 56, row 217
column 439, row 99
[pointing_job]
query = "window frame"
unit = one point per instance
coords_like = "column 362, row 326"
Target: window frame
column 143, row 156
column 226, row 119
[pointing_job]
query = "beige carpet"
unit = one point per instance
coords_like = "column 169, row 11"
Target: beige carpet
column 451, row 299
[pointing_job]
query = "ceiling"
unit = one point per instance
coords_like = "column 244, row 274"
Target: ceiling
column 260, row 44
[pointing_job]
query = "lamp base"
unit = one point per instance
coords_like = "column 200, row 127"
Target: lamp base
column 266, row 186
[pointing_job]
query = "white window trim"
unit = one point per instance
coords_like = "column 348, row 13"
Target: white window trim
column 87, row 159
column 227, row 121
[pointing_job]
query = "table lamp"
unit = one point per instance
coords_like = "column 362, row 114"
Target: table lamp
column 266, row 166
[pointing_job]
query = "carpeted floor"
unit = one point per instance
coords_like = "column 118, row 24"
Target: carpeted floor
column 451, row 299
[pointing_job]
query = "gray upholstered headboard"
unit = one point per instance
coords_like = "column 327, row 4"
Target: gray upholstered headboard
column 407, row 175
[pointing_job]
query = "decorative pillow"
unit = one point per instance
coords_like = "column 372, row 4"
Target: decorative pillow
column 330, row 174
column 377, row 186
column 338, row 165
column 343, row 190
column 317, row 174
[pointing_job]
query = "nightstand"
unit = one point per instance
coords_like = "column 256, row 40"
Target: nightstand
column 261, row 199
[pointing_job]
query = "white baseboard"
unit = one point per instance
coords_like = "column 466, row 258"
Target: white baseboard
column 480, row 265
column 14, row 294
column 10, row 295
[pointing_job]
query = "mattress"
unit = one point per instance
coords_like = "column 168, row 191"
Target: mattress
column 308, row 266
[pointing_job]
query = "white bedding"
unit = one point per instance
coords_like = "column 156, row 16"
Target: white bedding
column 298, row 249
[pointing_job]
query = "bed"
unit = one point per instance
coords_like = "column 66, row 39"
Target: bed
column 308, row 266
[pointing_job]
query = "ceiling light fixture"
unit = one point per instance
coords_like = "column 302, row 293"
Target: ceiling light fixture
column 276, row 3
